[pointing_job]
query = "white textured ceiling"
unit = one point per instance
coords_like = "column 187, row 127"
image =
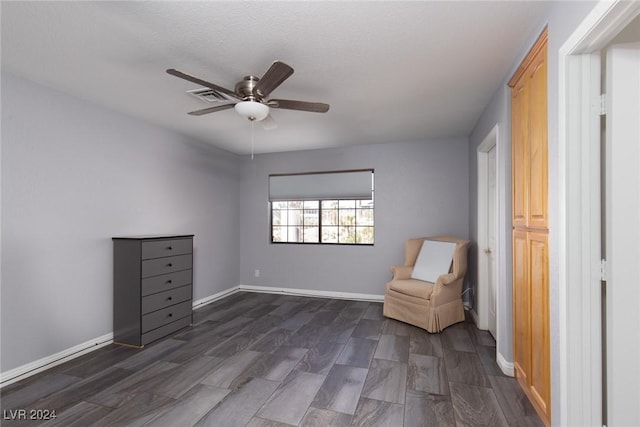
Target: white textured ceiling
column 391, row 71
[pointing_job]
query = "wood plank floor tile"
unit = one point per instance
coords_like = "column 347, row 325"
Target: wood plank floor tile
column 290, row 401
column 188, row 410
column 234, row 344
column 261, row 422
column 307, row 336
column 276, row 366
column 136, row 410
column 427, row 374
column 138, row 381
column 488, row 359
column 357, row 352
column 323, row 317
column 231, row 368
column 476, row 406
column 320, row 358
column 341, row 390
column 386, row 380
column 373, row 312
column 161, row 350
column 377, row 413
column 241, row 405
column 339, row 332
column 325, row 418
column 75, row 393
column 178, row 381
column 514, row 403
column 422, row 342
column 39, row 388
column 80, row 415
column 272, row 340
column 100, row 360
column 232, row 326
column 457, row 339
column 464, row 367
column 298, row 320
column 393, row 347
column 395, row 327
column 427, row 410
column 367, row 328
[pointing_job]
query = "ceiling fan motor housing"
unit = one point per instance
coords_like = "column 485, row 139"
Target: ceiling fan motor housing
column 244, row 88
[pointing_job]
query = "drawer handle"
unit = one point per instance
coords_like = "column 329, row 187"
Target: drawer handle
column 170, row 314
column 169, row 281
column 169, row 299
column 169, row 248
column 169, row 265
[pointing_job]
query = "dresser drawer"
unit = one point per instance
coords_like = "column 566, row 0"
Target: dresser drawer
column 166, row 315
column 153, row 285
column 165, row 330
column 165, row 299
column 158, row 266
column 164, row 248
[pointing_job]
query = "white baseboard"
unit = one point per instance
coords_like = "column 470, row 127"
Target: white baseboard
column 45, row 363
column 505, row 366
column 313, row 293
column 215, row 297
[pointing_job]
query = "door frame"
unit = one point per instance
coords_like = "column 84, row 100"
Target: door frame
column 580, row 364
column 489, row 142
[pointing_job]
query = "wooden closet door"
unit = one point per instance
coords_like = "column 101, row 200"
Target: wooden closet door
column 531, row 340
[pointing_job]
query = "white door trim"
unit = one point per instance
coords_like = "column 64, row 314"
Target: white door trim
column 580, row 372
column 489, row 142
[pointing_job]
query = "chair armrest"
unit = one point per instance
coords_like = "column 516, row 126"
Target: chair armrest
column 401, row 272
column 445, row 279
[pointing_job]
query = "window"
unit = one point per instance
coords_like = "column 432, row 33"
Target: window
column 344, row 222
column 316, row 208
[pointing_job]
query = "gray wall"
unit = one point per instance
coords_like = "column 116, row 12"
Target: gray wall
column 75, row 174
column 562, row 19
column 421, row 188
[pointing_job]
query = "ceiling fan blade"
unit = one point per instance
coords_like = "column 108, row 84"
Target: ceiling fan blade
column 201, row 82
column 275, row 75
column 268, row 123
column 314, row 107
column 211, row 109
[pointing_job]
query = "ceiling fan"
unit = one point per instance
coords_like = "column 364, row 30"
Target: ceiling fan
column 250, row 97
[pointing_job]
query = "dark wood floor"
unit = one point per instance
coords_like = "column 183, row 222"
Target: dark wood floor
column 274, row 360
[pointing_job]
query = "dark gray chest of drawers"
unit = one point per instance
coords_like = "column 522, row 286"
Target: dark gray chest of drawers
column 152, row 287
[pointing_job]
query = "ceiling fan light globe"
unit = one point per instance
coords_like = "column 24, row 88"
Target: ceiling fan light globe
column 252, row 110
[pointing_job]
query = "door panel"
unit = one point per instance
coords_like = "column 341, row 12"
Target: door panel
column 622, row 183
column 521, row 312
column 539, row 264
column 537, row 113
column 520, row 167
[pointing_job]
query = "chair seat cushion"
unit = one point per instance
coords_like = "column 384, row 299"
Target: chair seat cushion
column 412, row 287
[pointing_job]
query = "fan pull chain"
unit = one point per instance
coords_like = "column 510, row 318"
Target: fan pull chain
column 252, row 131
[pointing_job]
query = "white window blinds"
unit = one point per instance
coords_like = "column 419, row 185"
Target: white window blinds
column 355, row 184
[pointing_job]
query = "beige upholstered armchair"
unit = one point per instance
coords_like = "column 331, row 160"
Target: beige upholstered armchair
column 430, row 306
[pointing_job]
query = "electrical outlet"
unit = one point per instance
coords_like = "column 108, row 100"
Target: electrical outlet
column 257, row 273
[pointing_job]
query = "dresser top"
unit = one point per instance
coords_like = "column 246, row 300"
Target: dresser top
column 153, row 237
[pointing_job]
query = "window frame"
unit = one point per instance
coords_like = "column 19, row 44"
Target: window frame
column 320, row 209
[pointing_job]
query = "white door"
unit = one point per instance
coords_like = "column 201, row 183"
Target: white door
column 622, row 190
column 491, row 238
